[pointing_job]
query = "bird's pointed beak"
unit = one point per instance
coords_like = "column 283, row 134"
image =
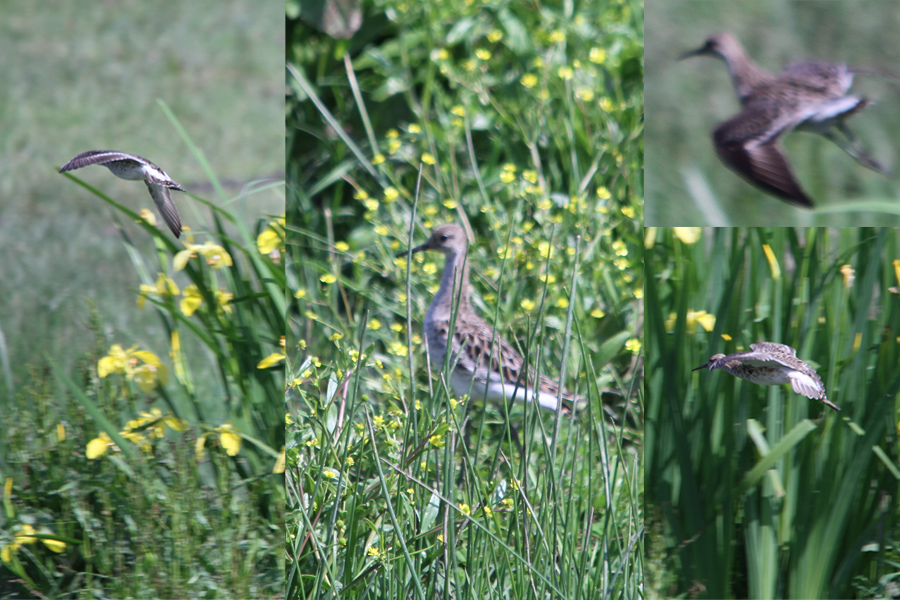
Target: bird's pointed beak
column 702, row 366
column 424, row 246
column 696, row 52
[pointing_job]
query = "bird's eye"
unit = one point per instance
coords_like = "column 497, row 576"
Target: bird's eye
column 445, row 237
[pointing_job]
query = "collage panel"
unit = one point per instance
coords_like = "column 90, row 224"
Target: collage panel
column 772, row 113
column 464, row 216
column 141, row 299
column 771, row 422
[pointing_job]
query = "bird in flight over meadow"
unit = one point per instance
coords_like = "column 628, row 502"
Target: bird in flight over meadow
column 808, row 95
column 136, row 168
column 769, row 363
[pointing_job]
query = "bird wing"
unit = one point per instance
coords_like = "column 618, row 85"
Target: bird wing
column 761, row 163
column 805, row 385
column 166, row 207
column 101, row 157
column 502, row 364
column 773, row 347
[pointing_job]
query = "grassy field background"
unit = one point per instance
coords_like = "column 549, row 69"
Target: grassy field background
column 85, row 75
column 527, row 124
column 139, row 443
column 686, row 182
column 756, row 491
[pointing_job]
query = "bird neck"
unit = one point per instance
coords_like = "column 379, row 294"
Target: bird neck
column 745, row 75
column 454, row 284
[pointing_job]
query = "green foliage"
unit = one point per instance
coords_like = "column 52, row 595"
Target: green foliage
column 527, row 127
column 747, row 496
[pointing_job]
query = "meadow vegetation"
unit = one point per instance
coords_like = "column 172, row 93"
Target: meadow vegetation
column 137, row 481
column 756, row 491
column 524, row 126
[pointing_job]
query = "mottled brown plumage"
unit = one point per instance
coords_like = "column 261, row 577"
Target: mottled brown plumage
column 481, row 360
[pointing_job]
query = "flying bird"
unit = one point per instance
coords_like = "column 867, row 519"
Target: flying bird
column 769, row 363
column 808, row 95
column 136, row 168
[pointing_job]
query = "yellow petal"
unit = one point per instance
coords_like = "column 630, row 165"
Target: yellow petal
column 55, row 545
column 231, row 442
column 270, row 360
column 96, row 448
column 279, row 462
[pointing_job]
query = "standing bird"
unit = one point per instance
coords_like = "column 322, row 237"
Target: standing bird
column 136, row 168
column 807, row 95
column 481, row 361
column 769, row 363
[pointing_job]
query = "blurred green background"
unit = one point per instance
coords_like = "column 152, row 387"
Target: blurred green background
column 80, row 76
column 688, row 185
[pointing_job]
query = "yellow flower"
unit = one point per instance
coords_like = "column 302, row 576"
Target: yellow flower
column 391, row 194
column 398, row 349
column 273, row 359
column 223, row 301
column 191, row 301
column 164, row 286
column 597, row 55
column 688, row 235
column 229, row 438
column 98, row 446
column 271, row 239
column 279, row 462
column 214, row 254
column 26, row 535
column 773, row 262
column 327, row 278
column 140, row 366
column 849, row 274
column 527, row 304
column 428, row 159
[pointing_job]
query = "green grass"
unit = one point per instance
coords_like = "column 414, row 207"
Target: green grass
column 106, row 490
column 395, row 489
column 687, row 183
column 750, row 493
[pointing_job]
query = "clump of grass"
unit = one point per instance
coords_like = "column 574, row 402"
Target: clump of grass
column 532, row 141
